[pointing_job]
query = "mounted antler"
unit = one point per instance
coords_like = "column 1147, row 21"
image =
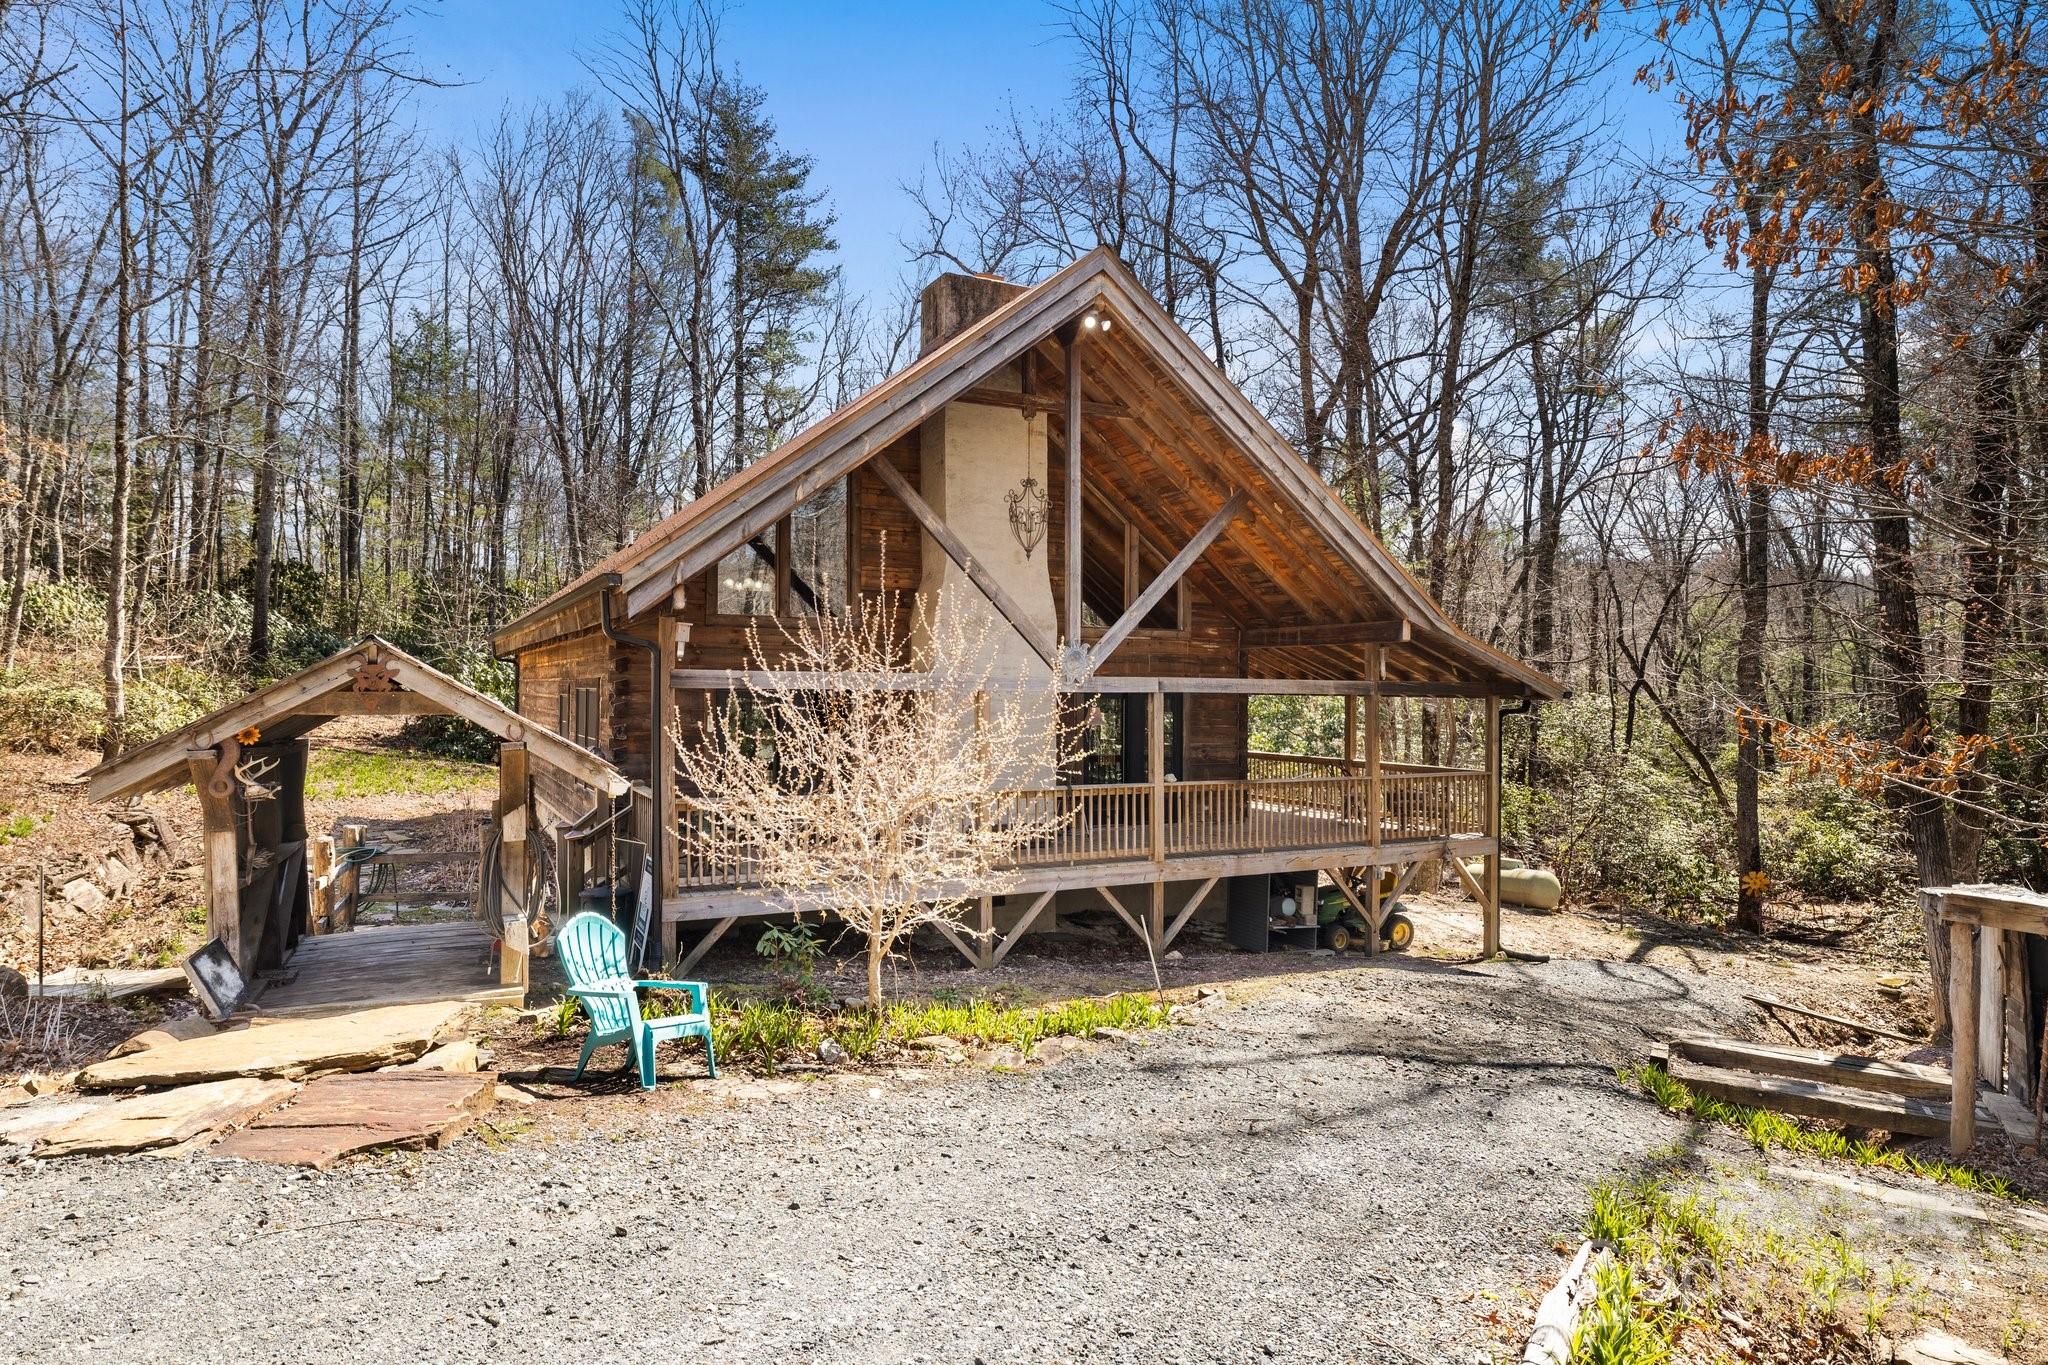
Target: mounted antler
column 251, row 775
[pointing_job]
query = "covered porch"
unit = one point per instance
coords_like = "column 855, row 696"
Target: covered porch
column 1177, row 844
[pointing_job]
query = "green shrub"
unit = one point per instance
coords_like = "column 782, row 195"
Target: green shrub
column 69, row 613
column 1615, row 821
column 53, row 709
column 1831, row 844
column 49, row 714
column 168, row 697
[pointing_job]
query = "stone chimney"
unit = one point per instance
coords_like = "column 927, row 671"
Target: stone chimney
column 951, row 304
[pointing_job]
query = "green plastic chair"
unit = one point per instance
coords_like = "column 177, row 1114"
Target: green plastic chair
column 593, row 954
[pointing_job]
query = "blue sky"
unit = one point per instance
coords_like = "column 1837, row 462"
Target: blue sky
column 865, row 92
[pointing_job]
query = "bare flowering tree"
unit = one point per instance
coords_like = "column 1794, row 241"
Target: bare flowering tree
column 869, row 768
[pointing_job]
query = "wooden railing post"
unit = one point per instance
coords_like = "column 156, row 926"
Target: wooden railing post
column 1375, row 792
column 1155, row 748
column 352, row 838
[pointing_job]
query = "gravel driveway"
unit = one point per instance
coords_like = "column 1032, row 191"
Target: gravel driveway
column 1366, row 1163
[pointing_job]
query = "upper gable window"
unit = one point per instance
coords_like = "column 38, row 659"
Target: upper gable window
column 744, row 581
column 1117, row 565
column 817, row 553
column 801, row 564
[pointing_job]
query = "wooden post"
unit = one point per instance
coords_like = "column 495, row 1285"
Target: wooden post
column 985, row 941
column 1991, row 1007
column 667, row 795
column 1490, row 874
column 223, row 861
column 320, row 881
column 1375, row 791
column 1350, row 733
column 1155, row 762
column 1962, row 1011
column 1072, row 509
column 514, row 868
column 351, row 837
column 1155, row 923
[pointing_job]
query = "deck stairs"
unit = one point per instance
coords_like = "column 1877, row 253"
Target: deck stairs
column 1865, row 1092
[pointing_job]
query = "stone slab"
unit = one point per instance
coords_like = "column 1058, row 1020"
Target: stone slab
column 162, row 1035
column 340, row 1116
column 23, row 1124
column 166, row 1118
column 294, row 1049
column 110, row 983
column 460, row 1055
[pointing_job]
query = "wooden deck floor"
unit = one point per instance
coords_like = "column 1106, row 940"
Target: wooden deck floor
column 388, row 965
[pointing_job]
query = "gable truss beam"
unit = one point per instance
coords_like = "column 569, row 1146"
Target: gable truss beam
column 1168, row 576
column 1392, row 632
column 1040, row 403
column 958, row 552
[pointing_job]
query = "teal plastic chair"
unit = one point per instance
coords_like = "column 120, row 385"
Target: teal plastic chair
column 592, row 952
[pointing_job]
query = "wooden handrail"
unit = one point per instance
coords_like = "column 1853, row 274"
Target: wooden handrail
column 1113, row 822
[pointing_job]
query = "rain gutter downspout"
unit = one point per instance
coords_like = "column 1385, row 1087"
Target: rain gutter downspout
column 654, row 845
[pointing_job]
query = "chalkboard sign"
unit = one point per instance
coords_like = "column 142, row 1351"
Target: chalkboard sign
column 643, row 916
column 216, row 980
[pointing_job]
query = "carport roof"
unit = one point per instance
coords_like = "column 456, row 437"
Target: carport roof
column 370, row 677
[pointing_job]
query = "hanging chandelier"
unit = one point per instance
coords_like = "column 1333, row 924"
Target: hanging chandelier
column 1028, row 506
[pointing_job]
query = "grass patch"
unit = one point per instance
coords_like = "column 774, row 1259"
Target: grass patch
column 1767, row 1130
column 15, row 825
column 1683, row 1273
column 351, row 774
column 762, row 1034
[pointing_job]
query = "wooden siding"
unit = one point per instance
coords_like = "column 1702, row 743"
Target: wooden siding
column 545, row 673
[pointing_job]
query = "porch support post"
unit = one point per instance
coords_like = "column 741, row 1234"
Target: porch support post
column 985, row 939
column 1375, row 791
column 1490, row 873
column 514, row 880
column 1070, row 618
column 1962, row 1021
column 1155, row 764
column 1350, row 734
column 223, row 860
column 668, row 637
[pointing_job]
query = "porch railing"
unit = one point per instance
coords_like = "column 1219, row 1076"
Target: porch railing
column 1113, row 823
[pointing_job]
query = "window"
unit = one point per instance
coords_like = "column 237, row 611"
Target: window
column 817, row 553
column 1165, row 614
column 1113, row 739
column 814, row 540
column 743, row 583
column 585, row 718
column 1117, row 564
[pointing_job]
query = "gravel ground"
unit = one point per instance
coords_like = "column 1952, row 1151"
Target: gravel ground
column 1369, row 1163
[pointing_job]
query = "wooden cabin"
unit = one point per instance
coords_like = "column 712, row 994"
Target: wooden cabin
column 1186, row 552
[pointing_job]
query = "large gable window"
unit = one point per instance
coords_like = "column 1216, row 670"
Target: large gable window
column 1117, row 564
column 801, row 564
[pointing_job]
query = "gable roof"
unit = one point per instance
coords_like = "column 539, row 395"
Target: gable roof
column 1192, row 412
column 290, row 707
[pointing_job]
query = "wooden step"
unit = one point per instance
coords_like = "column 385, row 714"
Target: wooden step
column 1910, row 1079
column 1814, row 1099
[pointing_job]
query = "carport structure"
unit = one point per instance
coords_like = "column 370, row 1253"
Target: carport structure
column 268, row 884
